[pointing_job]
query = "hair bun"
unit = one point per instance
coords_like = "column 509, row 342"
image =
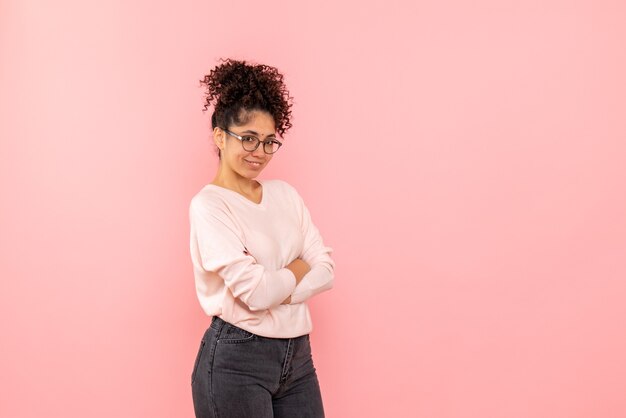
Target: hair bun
column 235, row 85
column 224, row 82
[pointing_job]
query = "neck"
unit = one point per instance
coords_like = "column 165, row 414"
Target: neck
column 231, row 180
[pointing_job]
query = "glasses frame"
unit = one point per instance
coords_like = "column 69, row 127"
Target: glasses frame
column 258, row 142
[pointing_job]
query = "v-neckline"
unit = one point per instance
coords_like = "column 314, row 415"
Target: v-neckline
column 252, row 202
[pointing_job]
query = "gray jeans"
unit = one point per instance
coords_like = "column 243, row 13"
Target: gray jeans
column 238, row 374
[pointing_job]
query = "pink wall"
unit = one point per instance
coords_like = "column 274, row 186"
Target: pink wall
column 464, row 159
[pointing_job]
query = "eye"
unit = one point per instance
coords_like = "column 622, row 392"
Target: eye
column 249, row 139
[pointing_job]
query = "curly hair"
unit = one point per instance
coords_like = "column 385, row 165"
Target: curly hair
column 235, row 88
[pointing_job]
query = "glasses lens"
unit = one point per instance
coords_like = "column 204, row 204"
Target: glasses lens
column 271, row 147
column 250, row 143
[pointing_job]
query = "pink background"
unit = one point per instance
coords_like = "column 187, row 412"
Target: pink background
column 464, row 159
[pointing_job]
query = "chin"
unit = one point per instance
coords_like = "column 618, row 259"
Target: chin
column 250, row 175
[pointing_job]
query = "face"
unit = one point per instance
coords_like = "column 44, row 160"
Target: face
column 247, row 164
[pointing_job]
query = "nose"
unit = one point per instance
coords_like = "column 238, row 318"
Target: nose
column 259, row 152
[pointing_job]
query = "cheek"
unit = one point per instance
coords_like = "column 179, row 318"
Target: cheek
column 235, row 154
column 233, row 158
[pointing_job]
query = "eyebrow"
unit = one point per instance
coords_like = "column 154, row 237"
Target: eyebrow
column 256, row 133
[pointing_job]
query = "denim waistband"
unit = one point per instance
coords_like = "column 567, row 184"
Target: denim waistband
column 218, row 322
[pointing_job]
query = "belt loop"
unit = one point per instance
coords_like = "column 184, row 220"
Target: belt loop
column 217, row 322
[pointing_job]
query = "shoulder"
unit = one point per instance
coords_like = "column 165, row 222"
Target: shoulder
column 280, row 186
column 286, row 194
column 208, row 200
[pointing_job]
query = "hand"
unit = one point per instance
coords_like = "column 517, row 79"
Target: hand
column 299, row 268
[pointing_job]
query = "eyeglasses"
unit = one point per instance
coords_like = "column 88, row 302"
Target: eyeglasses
column 251, row 143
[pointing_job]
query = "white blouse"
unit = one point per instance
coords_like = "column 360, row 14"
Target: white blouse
column 239, row 251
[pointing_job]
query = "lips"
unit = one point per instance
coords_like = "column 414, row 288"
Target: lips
column 254, row 164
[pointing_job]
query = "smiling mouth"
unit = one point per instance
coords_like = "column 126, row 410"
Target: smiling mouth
column 253, row 162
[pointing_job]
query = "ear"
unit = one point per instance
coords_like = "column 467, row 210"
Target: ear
column 218, row 138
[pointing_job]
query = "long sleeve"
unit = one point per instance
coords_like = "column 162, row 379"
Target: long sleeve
column 317, row 255
column 222, row 251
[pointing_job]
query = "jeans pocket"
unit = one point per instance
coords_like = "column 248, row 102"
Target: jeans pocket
column 197, row 362
column 234, row 335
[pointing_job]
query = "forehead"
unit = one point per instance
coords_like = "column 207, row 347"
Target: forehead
column 256, row 121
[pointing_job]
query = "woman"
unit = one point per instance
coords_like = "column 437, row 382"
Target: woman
column 257, row 259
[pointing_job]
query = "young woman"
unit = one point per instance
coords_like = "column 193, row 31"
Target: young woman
column 257, row 259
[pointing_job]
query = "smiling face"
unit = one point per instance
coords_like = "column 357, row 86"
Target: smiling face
column 236, row 160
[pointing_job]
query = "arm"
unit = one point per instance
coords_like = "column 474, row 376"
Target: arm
column 321, row 275
column 222, row 251
column 299, row 268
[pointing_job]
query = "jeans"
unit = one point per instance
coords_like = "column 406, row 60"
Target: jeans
column 238, row 374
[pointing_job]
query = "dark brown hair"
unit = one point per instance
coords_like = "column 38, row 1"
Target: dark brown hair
column 235, row 88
